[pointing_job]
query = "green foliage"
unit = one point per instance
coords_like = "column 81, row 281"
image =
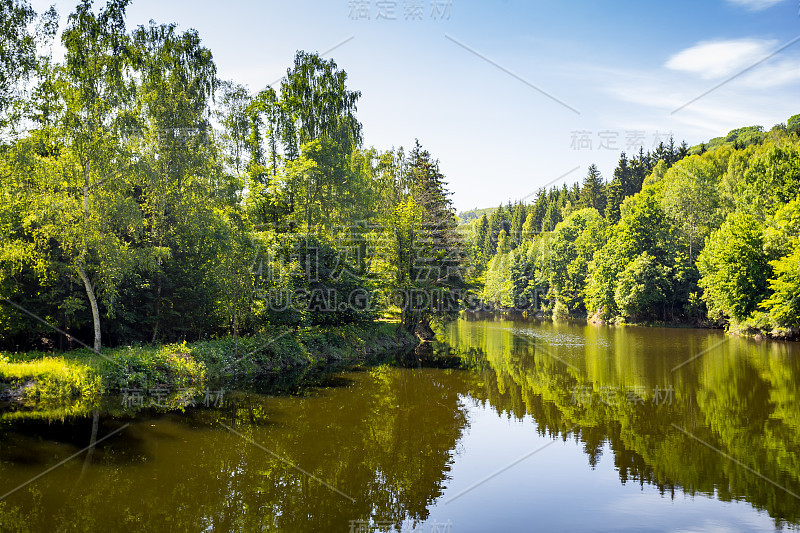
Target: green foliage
column 50, row 378
column 734, row 268
column 18, row 60
column 422, row 268
column 656, row 247
column 793, row 124
column 152, row 202
column 737, row 139
column 782, row 242
column 575, row 240
column 783, row 304
column 467, row 217
column 642, row 288
column 593, row 191
column 497, row 288
column 772, row 177
column 643, row 228
column 691, row 200
column 170, row 365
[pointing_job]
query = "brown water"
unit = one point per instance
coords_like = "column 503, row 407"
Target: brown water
column 506, row 426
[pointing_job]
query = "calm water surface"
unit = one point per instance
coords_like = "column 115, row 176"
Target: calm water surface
column 502, row 426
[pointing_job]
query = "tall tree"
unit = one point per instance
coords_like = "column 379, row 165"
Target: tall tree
column 316, row 102
column 614, row 198
column 735, row 268
column 592, row 193
column 517, row 221
column 177, row 81
column 95, row 90
column 426, row 255
column 691, row 199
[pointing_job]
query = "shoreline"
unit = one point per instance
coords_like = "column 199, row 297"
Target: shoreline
column 86, row 376
column 738, row 330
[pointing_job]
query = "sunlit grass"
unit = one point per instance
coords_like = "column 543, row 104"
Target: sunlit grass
column 50, row 377
column 85, row 375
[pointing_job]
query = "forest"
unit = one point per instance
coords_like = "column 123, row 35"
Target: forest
column 145, row 200
column 708, row 235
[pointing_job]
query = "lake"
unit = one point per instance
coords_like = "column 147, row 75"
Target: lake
column 501, row 425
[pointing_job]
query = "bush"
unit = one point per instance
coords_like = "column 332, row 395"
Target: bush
column 170, row 365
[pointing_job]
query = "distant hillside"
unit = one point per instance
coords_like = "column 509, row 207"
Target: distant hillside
column 465, row 217
column 743, row 137
column 737, row 139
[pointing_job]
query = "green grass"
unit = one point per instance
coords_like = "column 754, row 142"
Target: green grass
column 84, row 375
column 49, row 377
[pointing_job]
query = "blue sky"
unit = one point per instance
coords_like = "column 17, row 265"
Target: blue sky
column 614, row 73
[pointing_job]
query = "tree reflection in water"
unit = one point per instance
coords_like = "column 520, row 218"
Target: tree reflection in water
column 386, row 435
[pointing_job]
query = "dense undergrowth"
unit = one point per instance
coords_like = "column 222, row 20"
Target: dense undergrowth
column 82, row 374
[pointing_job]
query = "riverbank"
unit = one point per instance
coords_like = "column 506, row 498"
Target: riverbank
column 750, row 329
column 83, row 374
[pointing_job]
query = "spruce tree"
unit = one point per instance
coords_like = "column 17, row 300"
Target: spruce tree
column 614, row 197
column 517, row 220
column 438, row 264
column 593, row 194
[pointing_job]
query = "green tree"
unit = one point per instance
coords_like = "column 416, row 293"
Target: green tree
column 793, row 124
column 18, row 60
column 783, row 304
column 234, row 103
column 315, row 102
column 642, row 287
column 93, row 91
column 593, row 193
column 782, row 241
column 614, row 197
column 480, row 230
column 497, row 289
column 425, row 255
column 574, row 243
column 772, row 177
column 517, row 221
column 691, row 200
column 643, row 228
column 734, row 268
column 180, row 182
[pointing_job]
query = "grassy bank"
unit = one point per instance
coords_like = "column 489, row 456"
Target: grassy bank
column 82, row 374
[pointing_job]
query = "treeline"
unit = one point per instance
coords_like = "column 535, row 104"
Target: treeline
column 520, row 219
column 697, row 235
column 143, row 199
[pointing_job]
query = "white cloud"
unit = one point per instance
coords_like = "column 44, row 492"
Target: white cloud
column 755, row 5
column 718, row 59
column 773, row 74
column 650, row 97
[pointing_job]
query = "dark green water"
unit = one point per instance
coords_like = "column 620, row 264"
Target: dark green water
column 506, row 426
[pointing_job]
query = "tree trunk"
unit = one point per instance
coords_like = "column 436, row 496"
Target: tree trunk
column 92, row 441
column 157, row 305
column 424, row 331
column 236, row 320
column 95, row 309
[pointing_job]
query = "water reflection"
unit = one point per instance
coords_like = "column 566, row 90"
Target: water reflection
column 387, row 435
column 738, row 403
column 384, row 436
